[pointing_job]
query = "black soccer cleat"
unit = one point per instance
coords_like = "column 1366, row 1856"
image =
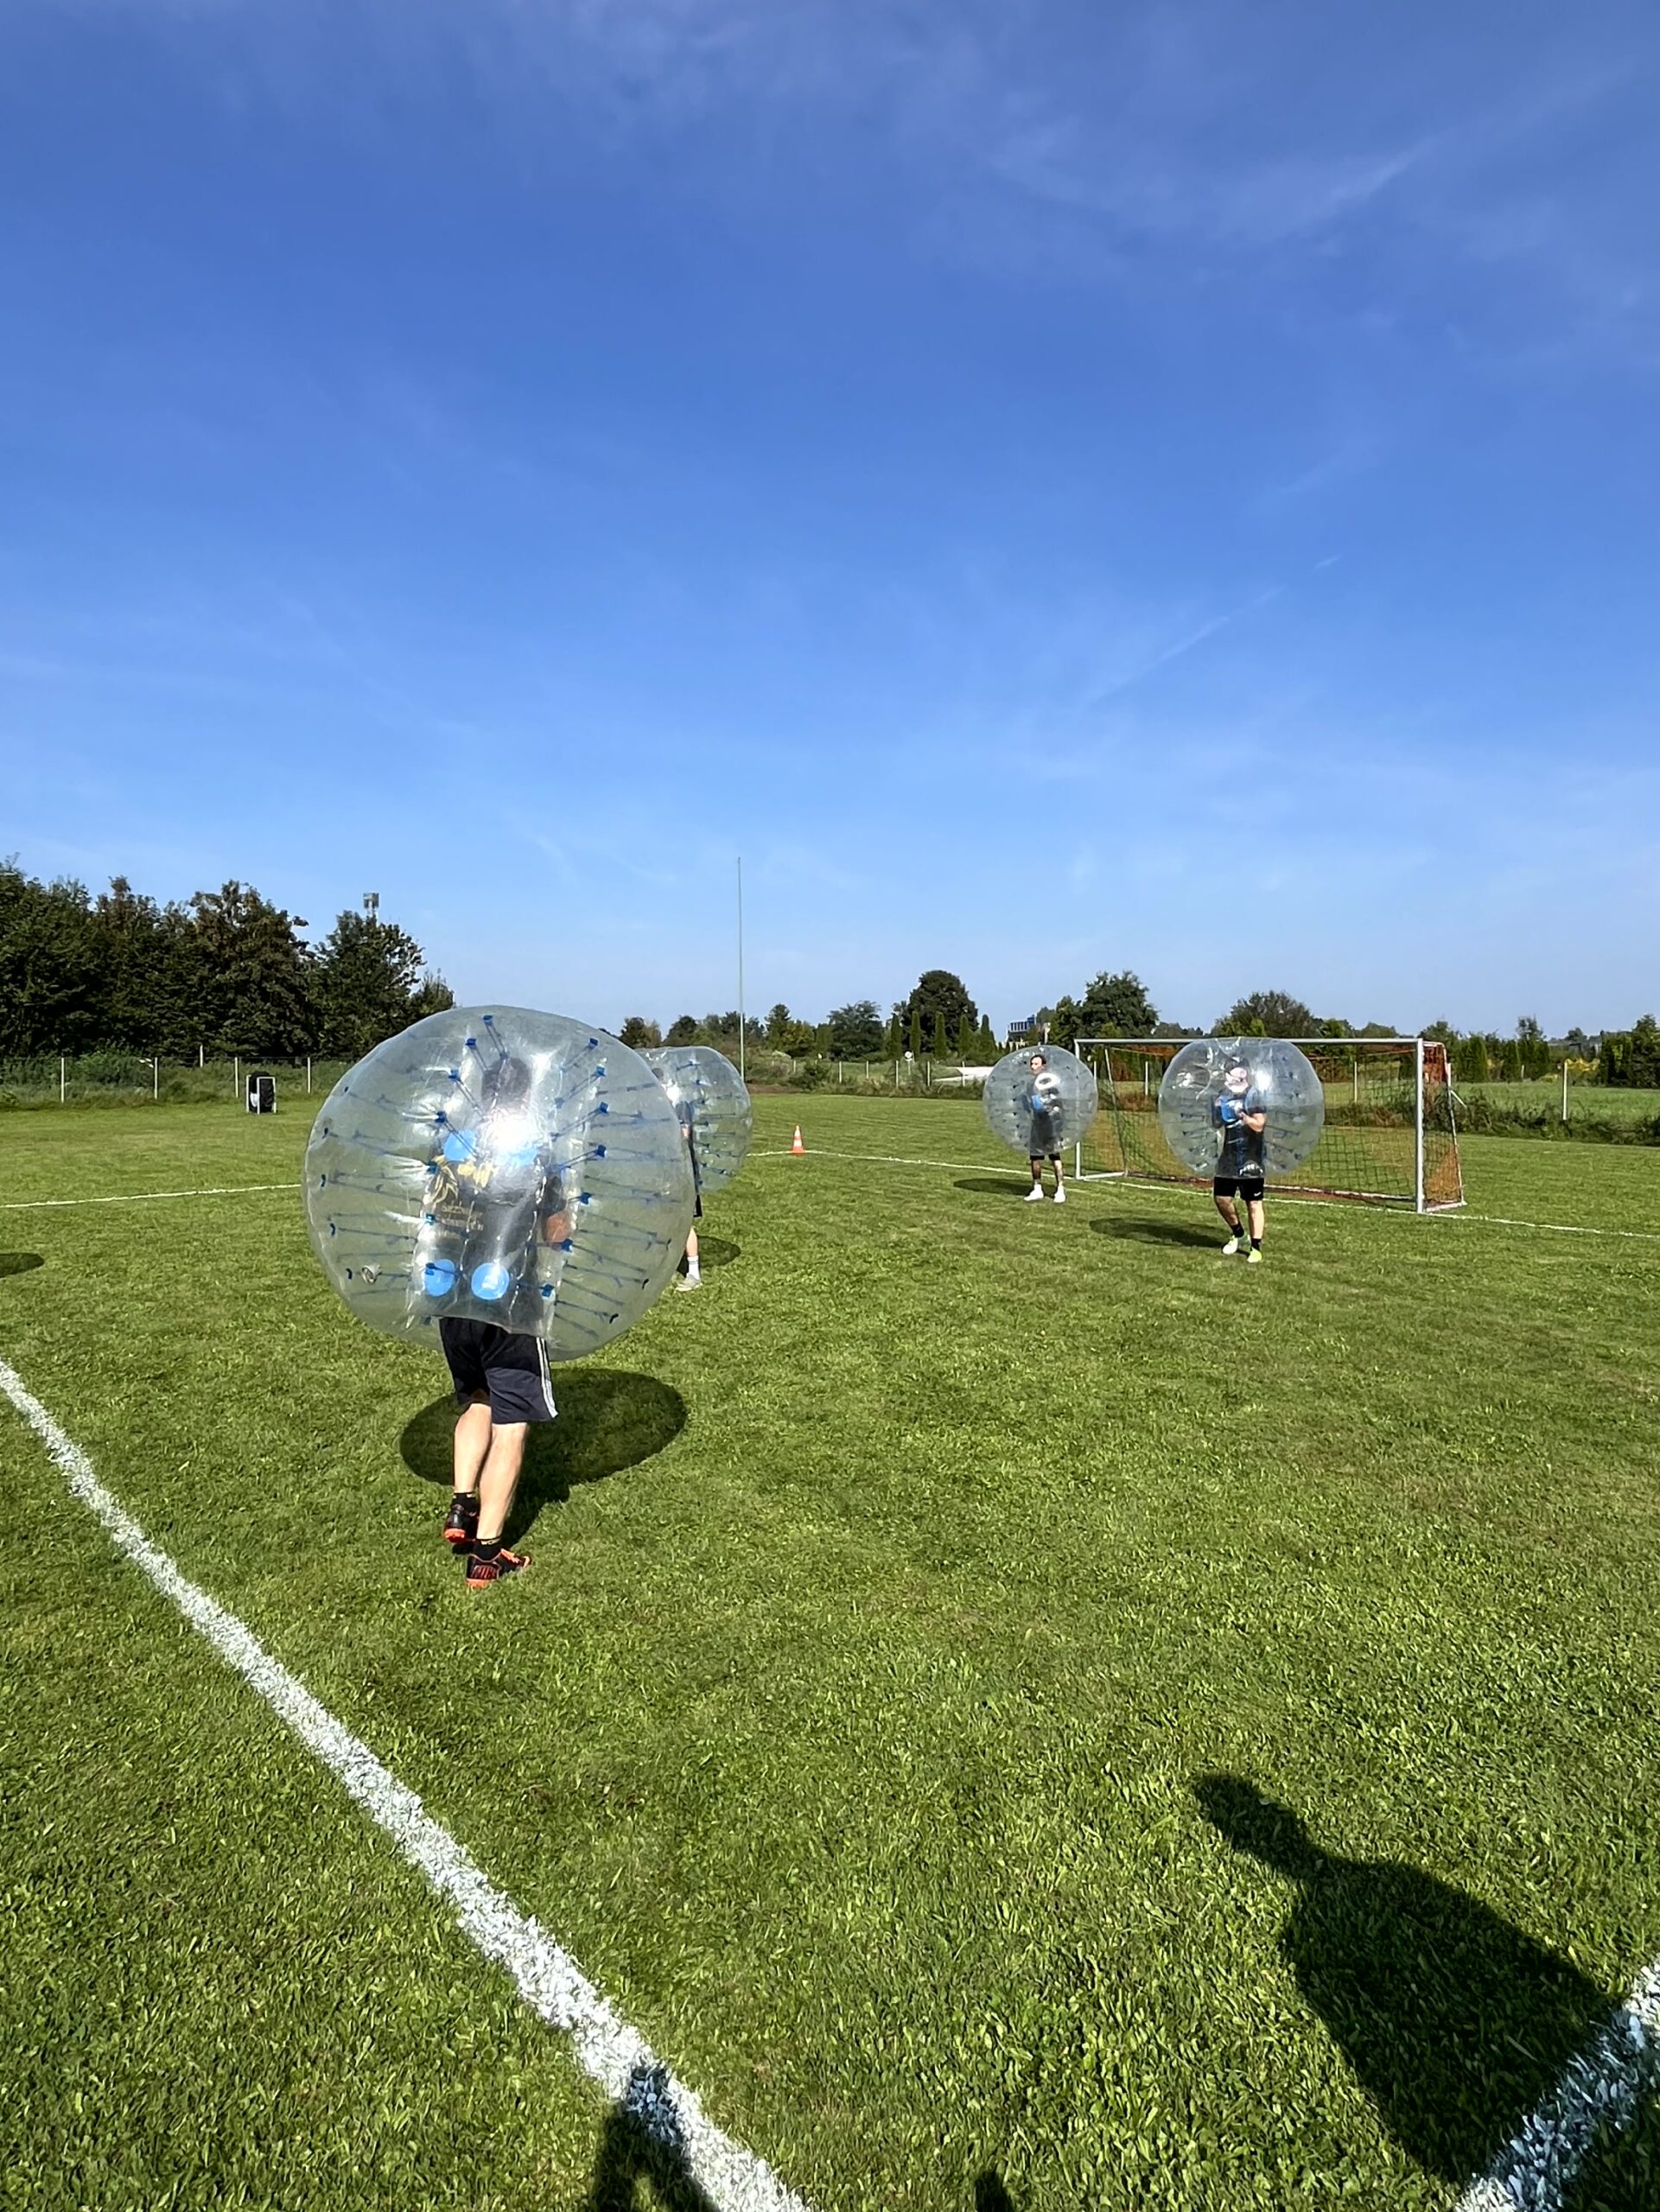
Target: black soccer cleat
column 482, row 1571
column 463, row 1524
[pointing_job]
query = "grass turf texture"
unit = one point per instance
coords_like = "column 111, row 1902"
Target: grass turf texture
column 893, row 1599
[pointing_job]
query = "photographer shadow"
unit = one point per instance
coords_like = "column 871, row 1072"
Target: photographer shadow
column 641, row 2142
column 1455, row 2024
column 608, row 1421
column 19, row 1263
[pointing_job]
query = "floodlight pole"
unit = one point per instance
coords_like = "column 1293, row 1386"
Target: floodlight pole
column 740, row 1020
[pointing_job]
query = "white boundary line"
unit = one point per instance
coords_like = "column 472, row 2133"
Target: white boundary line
column 145, row 1197
column 1280, row 1198
column 609, row 2051
column 1599, row 2095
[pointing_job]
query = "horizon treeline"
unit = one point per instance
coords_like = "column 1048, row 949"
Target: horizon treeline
column 940, row 1019
column 222, row 972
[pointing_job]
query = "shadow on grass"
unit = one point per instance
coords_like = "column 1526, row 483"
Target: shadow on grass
column 990, row 2196
column 993, row 1186
column 19, row 1263
column 717, row 1251
column 1140, row 1232
column 608, row 1421
column 1457, row 2025
column 641, row 2142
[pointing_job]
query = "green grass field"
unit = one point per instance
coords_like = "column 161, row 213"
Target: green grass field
column 915, row 1614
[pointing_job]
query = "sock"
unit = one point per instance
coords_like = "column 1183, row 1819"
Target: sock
column 488, row 1550
column 1256, row 1244
column 693, row 1273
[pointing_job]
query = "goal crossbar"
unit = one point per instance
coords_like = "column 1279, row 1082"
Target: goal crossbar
column 1390, row 1136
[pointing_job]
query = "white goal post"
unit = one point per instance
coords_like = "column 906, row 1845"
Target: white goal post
column 1390, row 1136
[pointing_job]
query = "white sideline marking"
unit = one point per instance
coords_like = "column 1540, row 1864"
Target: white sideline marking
column 1598, row 2096
column 1280, row 1198
column 145, row 1197
column 608, row 2050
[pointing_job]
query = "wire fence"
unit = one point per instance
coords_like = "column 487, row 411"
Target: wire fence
column 138, row 1079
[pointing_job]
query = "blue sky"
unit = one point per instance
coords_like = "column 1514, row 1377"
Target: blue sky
column 1053, row 485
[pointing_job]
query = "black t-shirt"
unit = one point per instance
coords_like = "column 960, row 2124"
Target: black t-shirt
column 1243, row 1151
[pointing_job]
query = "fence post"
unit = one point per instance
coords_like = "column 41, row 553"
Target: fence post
column 235, row 1074
column 307, row 1075
column 63, row 1079
column 1564, row 1094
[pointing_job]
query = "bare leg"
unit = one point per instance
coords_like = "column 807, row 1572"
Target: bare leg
column 1229, row 1211
column 471, row 1444
column 693, row 1277
column 500, row 1477
column 1036, row 1171
column 1055, row 1164
column 1254, row 1214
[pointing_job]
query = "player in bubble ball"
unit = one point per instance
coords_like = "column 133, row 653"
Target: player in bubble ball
column 492, row 1189
column 1046, row 1102
column 1240, row 1118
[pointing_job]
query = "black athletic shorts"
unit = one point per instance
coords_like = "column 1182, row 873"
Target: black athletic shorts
column 1249, row 1188
column 486, row 1362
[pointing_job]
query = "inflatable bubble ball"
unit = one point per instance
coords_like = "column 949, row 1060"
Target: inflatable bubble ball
column 1040, row 1099
column 1214, row 1088
column 500, row 1165
column 711, row 1101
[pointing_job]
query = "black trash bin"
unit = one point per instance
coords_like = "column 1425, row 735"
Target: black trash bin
column 262, row 1094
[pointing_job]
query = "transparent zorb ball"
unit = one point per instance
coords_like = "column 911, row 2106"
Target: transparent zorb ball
column 495, row 1164
column 1201, row 1110
column 712, row 1103
column 1039, row 1108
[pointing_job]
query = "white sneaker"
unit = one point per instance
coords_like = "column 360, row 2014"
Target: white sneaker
column 1255, row 1256
column 1061, row 1194
column 1230, row 1248
column 1034, row 1194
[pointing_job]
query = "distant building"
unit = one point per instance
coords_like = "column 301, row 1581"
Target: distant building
column 1030, row 1032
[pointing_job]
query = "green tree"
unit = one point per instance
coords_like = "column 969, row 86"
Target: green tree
column 366, row 977
column 49, row 966
column 940, row 994
column 894, row 1042
column 683, row 1030
column 254, row 981
column 914, row 1026
column 639, row 1033
column 1066, row 1023
column 855, row 1031
column 985, row 1045
column 1266, row 1013
column 1510, row 1061
column 1117, row 1005
column 1470, row 1062
column 939, row 1045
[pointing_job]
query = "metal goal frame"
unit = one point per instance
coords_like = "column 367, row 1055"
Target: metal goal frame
column 1430, row 1061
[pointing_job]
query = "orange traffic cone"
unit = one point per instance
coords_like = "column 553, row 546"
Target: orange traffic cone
column 798, row 1145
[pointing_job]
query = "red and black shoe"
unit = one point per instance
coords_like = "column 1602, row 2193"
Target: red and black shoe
column 488, row 1563
column 463, row 1526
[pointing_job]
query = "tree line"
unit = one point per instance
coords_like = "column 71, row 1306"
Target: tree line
column 224, row 971
column 939, row 1018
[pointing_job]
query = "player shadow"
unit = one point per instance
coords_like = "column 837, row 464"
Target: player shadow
column 993, row 1186
column 717, row 1251
column 19, row 1263
column 989, row 2194
column 1140, row 1232
column 1455, row 2024
column 608, row 1421
column 641, row 2142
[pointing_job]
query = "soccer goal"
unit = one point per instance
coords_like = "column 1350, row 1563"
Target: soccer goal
column 1389, row 1137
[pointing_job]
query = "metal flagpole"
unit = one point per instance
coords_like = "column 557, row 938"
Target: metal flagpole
column 740, row 1022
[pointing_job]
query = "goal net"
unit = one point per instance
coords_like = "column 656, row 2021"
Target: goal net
column 1389, row 1134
